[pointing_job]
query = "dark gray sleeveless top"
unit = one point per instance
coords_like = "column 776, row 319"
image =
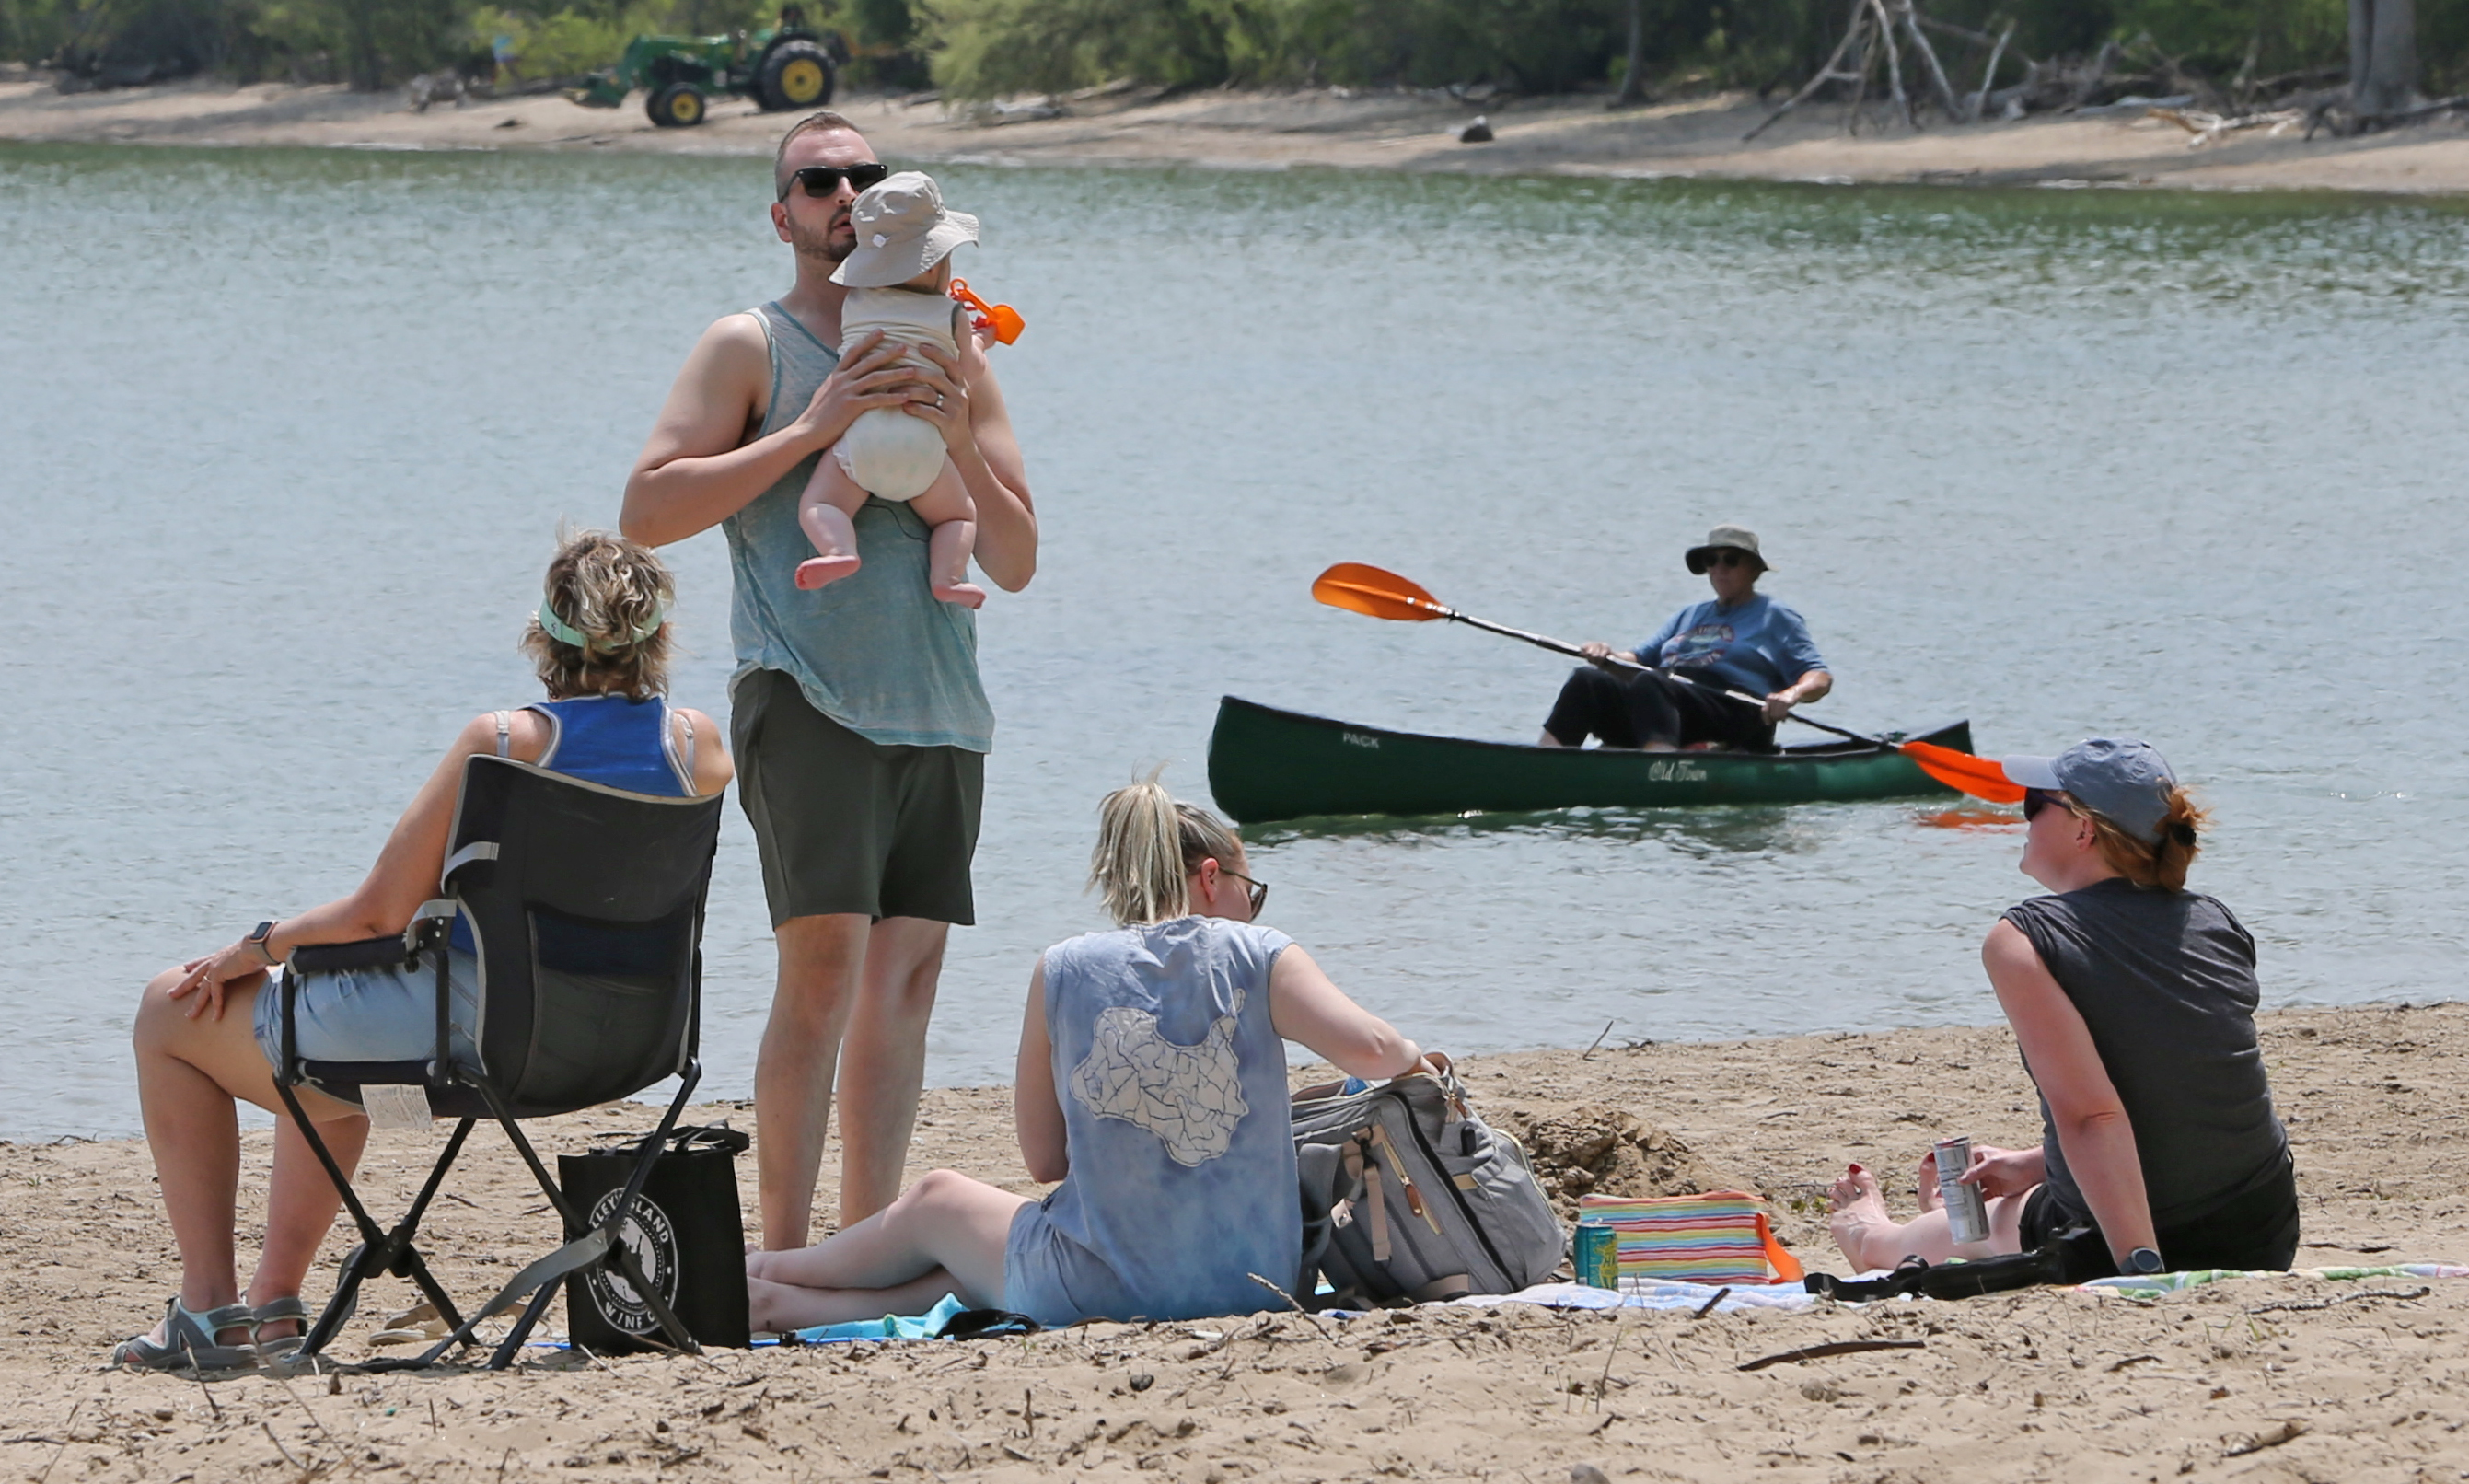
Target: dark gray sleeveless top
column 874, row 652
column 2165, row 983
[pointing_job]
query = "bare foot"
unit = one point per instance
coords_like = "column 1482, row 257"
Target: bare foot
column 1859, row 1212
column 819, row 570
column 968, row 595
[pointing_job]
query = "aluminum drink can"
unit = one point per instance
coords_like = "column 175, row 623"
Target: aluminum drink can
column 1966, row 1212
column 1596, row 1254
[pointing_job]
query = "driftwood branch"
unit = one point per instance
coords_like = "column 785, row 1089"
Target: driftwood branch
column 1989, row 74
column 1821, row 1351
column 1831, row 72
column 1894, row 64
column 1909, row 14
column 2205, row 128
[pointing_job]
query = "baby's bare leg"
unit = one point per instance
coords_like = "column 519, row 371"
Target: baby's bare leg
column 826, row 511
column 946, row 506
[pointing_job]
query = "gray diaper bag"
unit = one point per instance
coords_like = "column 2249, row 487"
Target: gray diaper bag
column 1408, row 1196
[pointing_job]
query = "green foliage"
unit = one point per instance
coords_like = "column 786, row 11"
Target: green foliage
column 2214, row 35
column 992, row 48
column 564, row 43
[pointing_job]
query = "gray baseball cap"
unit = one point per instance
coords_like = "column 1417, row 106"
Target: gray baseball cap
column 2123, row 779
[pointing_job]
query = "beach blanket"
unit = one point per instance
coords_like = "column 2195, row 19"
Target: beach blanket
column 1648, row 1293
column 2140, row 1286
column 925, row 1325
column 1636, row 1293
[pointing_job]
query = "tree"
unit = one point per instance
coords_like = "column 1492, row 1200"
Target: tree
column 2383, row 56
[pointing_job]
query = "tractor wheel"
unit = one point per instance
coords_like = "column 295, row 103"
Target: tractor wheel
column 795, row 74
column 678, row 105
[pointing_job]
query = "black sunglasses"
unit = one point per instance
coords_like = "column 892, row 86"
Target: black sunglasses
column 1257, row 891
column 2036, row 799
column 1730, row 558
column 823, row 180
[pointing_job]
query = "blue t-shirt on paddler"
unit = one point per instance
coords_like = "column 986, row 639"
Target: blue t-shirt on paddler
column 1761, row 646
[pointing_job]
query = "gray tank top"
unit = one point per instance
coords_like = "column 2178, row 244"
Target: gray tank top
column 2165, row 983
column 874, row 652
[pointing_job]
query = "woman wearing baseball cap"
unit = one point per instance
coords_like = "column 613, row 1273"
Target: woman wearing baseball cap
column 2132, row 1001
column 1740, row 642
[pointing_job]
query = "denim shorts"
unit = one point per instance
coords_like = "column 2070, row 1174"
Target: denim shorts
column 387, row 1013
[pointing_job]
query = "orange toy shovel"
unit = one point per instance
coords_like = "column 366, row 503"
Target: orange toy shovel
column 1001, row 318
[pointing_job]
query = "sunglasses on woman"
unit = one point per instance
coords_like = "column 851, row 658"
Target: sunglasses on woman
column 1730, row 559
column 1258, row 892
column 2036, row 799
column 824, row 180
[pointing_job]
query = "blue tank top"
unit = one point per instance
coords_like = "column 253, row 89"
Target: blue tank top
column 608, row 740
column 1176, row 1122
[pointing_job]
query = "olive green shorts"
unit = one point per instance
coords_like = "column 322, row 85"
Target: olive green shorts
column 848, row 825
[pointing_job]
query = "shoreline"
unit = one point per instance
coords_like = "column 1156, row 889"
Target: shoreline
column 2044, row 1382
column 1333, row 128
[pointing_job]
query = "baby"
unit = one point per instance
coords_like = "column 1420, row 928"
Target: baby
column 897, row 276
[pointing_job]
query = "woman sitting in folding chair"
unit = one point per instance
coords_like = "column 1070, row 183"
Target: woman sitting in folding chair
column 207, row 1033
column 1152, row 1083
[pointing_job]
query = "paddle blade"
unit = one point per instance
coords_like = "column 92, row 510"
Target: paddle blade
column 1381, row 594
column 1978, row 776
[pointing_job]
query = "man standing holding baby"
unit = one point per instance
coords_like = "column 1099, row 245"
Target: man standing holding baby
column 859, row 724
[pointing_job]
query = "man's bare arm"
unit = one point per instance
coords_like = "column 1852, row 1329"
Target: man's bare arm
column 987, row 454
column 696, row 470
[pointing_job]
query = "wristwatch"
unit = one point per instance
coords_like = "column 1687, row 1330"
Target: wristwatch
column 260, row 939
column 2143, row 1263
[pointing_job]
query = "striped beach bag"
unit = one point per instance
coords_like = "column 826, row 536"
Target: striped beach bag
column 1718, row 1237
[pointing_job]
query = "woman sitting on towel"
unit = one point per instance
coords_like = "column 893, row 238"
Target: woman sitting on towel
column 207, row 1032
column 2133, row 1001
column 1152, row 1083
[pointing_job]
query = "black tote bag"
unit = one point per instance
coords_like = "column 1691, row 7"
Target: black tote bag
column 685, row 1233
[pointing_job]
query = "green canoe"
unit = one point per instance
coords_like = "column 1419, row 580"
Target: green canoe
column 1267, row 764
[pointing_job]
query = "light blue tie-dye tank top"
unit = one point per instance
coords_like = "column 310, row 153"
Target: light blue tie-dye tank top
column 1173, row 1086
column 874, row 652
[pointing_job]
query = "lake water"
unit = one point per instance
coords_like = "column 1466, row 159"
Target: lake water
column 285, row 438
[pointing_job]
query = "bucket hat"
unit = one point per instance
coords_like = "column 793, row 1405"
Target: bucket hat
column 2123, row 779
column 1738, row 538
column 902, row 230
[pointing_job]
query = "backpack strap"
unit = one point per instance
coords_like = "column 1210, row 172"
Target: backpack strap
column 1360, row 1166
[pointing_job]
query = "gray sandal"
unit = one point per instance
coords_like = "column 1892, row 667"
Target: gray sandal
column 189, row 1341
column 276, row 1313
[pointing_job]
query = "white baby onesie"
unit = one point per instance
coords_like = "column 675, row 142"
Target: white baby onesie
column 886, row 452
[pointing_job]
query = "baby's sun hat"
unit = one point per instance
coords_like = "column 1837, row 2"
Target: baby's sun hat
column 902, row 230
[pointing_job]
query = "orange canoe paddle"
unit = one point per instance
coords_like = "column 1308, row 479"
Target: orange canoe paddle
column 1379, row 593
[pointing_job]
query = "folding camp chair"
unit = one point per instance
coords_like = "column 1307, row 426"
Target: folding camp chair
column 586, row 905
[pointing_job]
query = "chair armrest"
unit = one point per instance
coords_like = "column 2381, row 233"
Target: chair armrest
column 332, row 958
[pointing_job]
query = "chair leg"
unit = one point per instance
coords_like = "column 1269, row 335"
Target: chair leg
column 623, row 1255
column 541, row 1279
column 380, row 1251
column 511, row 1345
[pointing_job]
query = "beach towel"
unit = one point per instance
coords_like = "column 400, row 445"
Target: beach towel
column 1720, row 1237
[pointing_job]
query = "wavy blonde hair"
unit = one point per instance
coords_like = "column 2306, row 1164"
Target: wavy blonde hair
column 608, row 589
column 1148, row 845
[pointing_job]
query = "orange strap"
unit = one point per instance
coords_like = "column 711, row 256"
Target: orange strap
column 1787, row 1266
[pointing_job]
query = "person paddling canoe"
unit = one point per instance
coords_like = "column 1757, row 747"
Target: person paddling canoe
column 1742, row 640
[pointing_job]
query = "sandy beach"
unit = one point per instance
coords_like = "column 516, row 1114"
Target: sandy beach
column 2279, row 1379
column 1327, row 129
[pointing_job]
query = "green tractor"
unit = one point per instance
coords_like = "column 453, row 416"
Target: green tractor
column 789, row 67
